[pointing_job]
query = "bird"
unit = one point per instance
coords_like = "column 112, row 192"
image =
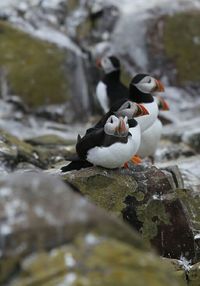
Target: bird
column 110, row 89
column 151, row 137
column 110, row 146
column 122, row 108
column 142, row 90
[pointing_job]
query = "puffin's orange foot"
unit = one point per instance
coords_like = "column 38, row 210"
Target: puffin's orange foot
column 136, row 160
column 126, row 165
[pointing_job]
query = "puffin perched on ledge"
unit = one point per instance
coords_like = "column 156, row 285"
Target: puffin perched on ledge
column 92, row 146
column 109, row 147
column 141, row 90
column 110, row 89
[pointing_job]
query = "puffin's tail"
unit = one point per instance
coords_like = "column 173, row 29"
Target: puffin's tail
column 76, row 165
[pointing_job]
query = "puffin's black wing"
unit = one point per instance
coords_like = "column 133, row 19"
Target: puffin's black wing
column 76, row 165
column 91, row 139
column 117, row 92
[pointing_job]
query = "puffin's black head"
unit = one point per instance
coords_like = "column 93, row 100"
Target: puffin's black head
column 142, row 86
column 109, row 64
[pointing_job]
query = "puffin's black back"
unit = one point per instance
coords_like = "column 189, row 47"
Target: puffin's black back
column 105, row 117
column 96, row 138
column 135, row 94
column 116, row 90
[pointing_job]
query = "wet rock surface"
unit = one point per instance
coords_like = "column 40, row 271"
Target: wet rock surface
column 147, row 200
column 42, row 217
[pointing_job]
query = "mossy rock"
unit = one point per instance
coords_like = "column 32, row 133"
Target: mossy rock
column 13, row 150
column 94, row 260
column 182, row 44
column 143, row 197
column 105, row 188
column 50, row 140
column 36, row 70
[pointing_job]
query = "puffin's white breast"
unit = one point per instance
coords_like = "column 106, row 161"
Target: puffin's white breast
column 117, row 154
column 147, row 120
column 150, row 139
column 101, row 94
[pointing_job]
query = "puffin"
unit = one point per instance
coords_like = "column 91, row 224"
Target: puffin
column 142, row 90
column 110, row 89
column 151, row 137
column 122, row 107
column 110, row 146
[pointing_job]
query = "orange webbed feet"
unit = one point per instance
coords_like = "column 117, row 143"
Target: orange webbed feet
column 136, row 160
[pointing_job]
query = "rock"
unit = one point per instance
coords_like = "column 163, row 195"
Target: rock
column 94, row 260
column 194, row 275
column 187, row 273
column 192, row 138
column 50, row 235
column 33, row 58
column 174, row 47
column 191, row 200
column 145, row 197
column 13, row 151
column 50, row 140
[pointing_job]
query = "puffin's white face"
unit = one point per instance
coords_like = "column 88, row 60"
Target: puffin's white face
column 149, row 85
column 107, row 65
column 116, row 126
column 128, row 109
column 131, row 110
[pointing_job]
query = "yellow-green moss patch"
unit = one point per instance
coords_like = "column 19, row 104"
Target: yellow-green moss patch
column 35, row 69
column 182, row 44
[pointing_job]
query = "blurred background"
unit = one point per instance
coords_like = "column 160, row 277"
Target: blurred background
column 48, row 75
column 48, row 234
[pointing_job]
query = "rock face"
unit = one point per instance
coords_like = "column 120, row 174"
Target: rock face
column 146, row 198
column 50, row 236
column 33, row 58
column 174, row 46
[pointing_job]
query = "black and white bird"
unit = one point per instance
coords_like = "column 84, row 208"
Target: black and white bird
column 110, row 146
column 110, row 89
column 122, row 108
column 141, row 90
column 151, row 137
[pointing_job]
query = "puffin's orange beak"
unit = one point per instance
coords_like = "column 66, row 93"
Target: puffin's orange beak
column 162, row 104
column 121, row 128
column 98, row 63
column 141, row 110
column 159, row 86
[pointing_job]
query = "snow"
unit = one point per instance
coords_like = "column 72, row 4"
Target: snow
column 68, row 280
column 186, row 264
column 69, row 260
column 91, row 239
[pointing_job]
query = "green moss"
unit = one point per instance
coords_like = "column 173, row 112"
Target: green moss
column 191, row 201
column 105, row 261
column 152, row 215
column 182, row 44
column 35, row 69
column 107, row 191
column 12, row 141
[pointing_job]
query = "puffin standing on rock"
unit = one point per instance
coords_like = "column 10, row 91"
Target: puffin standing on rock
column 110, row 89
column 93, row 148
column 109, row 147
column 141, row 90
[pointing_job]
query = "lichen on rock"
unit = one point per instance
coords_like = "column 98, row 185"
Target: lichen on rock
column 35, row 70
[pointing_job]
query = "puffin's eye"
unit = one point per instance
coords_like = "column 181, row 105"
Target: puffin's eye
column 129, row 105
column 111, row 120
column 149, row 81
